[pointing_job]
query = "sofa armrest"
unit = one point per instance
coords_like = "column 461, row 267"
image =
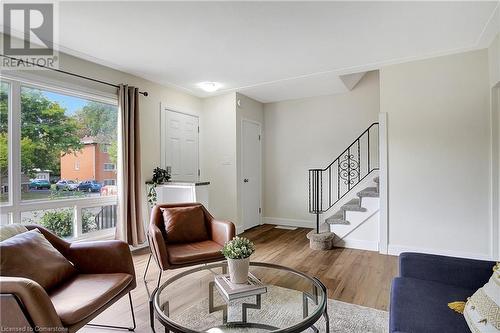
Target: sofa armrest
column 158, row 246
column 101, row 257
column 222, row 231
column 35, row 300
column 465, row 273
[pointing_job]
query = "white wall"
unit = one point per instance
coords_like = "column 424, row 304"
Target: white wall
column 439, row 154
column 308, row 133
column 218, row 153
column 494, row 61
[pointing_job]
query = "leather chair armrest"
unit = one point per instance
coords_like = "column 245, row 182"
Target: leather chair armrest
column 101, row 257
column 222, row 231
column 158, row 246
column 35, row 300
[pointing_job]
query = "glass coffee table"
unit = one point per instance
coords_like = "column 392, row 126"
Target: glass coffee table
column 191, row 302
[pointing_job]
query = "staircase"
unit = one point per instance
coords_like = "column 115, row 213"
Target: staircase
column 354, row 205
column 347, row 190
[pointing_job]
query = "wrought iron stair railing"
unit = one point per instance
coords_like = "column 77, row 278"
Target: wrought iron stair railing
column 106, row 218
column 327, row 186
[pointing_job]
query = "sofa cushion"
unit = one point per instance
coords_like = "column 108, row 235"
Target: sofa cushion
column 30, row 255
column 182, row 254
column 10, row 230
column 185, row 224
column 420, row 306
column 84, row 294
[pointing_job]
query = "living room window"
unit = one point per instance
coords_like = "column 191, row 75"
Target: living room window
column 50, row 148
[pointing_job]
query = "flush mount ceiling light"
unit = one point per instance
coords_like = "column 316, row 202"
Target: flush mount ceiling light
column 209, row 86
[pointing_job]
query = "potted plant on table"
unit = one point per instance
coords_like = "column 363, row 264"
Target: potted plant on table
column 238, row 252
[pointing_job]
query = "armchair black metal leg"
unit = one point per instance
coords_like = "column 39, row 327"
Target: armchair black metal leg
column 147, row 266
column 131, row 329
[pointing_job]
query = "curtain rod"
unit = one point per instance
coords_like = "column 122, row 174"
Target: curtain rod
column 144, row 93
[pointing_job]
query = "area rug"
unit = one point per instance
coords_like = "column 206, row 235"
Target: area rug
column 283, row 307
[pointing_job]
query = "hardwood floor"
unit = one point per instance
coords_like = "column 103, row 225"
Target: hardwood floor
column 353, row 276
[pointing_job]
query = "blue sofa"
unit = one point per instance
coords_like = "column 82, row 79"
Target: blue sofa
column 426, row 284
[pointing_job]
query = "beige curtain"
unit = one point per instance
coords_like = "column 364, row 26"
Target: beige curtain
column 129, row 226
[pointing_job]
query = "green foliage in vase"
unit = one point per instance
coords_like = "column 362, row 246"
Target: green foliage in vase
column 238, row 248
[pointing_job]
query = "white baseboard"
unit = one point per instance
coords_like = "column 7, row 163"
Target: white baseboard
column 347, row 243
column 289, row 222
column 239, row 229
column 396, row 250
column 358, row 244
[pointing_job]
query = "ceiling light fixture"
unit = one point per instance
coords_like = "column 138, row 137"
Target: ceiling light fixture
column 209, row 86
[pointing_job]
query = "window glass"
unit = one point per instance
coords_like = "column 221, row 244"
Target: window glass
column 61, row 140
column 4, row 141
column 98, row 218
column 109, row 167
column 59, row 221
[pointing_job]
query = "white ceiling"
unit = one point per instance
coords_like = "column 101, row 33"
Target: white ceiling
column 267, row 50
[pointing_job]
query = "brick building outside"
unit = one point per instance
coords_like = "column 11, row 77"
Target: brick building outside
column 90, row 163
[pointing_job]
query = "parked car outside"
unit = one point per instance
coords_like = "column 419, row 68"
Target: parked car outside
column 39, row 184
column 68, row 185
column 89, row 186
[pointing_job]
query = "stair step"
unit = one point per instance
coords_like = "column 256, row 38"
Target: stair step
column 337, row 221
column 376, row 179
column 354, row 206
column 354, row 201
column 337, row 218
column 371, row 192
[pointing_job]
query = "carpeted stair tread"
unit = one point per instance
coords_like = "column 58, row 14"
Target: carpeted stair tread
column 354, row 201
column 337, row 218
column 353, row 205
column 371, row 192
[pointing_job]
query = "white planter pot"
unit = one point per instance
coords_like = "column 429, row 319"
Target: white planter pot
column 238, row 270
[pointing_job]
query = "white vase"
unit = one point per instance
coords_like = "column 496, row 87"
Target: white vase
column 238, row 270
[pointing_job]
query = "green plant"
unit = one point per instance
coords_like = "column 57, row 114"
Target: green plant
column 88, row 222
column 238, row 248
column 159, row 176
column 61, row 222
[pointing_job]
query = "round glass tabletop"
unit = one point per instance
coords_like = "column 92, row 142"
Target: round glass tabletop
column 192, row 302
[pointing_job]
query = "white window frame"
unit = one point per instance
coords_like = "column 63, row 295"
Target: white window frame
column 15, row 206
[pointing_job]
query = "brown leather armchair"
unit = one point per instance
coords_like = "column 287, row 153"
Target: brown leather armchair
column 104, row 274
column 171, row 254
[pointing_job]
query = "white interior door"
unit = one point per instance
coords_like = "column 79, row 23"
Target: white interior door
column 180, row 148
column 251, row 174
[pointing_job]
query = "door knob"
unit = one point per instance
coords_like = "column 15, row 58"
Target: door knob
column 245, row 180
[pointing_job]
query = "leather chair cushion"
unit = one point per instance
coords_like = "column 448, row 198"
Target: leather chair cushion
column 30, row 255
column 185, row 224
column 84, row 294
column 182, row 254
